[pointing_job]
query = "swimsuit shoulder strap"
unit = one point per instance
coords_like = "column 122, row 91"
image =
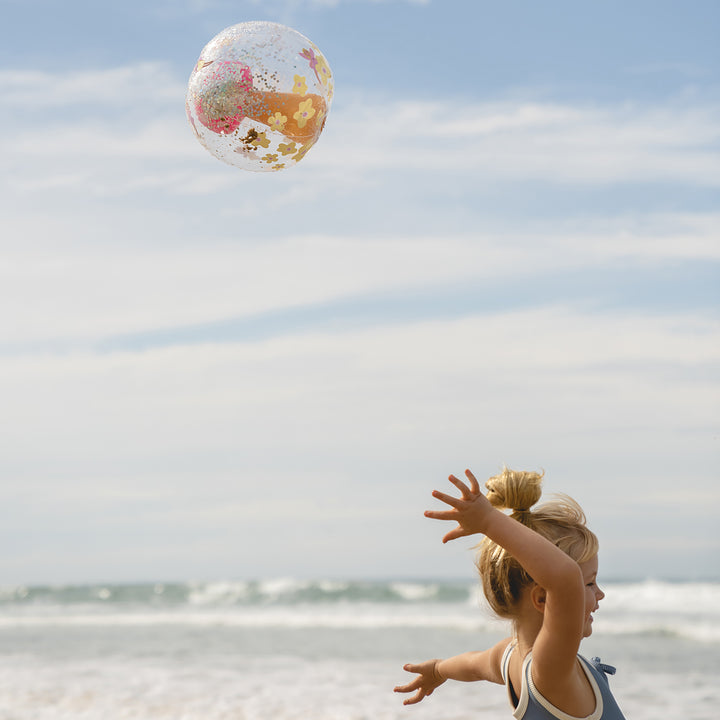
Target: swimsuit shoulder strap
column 505, row 662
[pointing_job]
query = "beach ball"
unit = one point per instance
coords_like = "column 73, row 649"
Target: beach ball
column 259, row 96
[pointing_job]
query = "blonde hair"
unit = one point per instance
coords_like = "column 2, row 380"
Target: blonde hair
column 561, row 521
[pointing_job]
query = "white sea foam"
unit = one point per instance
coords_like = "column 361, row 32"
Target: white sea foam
column 218, row 593
column 415, row 591
column 655, row 596
column 342, row 617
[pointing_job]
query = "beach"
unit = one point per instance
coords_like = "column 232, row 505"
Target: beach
column 322, row 650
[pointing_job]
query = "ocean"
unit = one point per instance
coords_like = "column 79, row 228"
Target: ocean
column 287, row 649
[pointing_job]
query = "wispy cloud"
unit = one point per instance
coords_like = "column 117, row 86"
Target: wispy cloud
column 217, row 284
column 106, row 125
column 534, row 141
column 139, row 88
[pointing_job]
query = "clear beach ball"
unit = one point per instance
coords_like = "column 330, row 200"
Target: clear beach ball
column 259, row 95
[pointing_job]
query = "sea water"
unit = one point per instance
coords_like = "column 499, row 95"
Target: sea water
column 330, row 650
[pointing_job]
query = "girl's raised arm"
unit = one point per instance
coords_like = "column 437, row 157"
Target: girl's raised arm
column 563, row 601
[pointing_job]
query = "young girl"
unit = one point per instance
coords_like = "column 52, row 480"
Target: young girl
column 539, row 570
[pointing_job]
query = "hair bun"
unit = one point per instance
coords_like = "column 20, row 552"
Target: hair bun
column 514, row 490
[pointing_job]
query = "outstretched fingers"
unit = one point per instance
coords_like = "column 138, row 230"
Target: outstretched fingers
column 416, row 698
column 458, row 532
column 441, row 514
column 410, row 687
column 416, row 686
column 474, row 484
column 448, row 499
column 468, row 510
column 452, row 515
column 461, row 486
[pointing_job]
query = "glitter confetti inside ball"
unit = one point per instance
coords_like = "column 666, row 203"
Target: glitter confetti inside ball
column 259, row 96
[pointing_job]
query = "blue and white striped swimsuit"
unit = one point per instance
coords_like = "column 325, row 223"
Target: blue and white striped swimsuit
column 533, row 706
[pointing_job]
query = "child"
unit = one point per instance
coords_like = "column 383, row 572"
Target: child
column 539, row 570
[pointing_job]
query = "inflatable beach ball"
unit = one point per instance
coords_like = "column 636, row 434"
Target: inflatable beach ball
column 259, row 96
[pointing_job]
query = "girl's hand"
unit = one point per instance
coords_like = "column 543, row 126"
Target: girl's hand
column 428, row 679
column 471, row 511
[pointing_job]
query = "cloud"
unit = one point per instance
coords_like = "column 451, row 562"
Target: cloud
column 139, row 88
column 89, row 293
column 123, row 130
column 518, row 140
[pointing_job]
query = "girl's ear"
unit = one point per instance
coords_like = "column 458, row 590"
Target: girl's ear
column 538, row 596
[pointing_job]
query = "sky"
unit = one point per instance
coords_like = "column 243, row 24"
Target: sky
column 503, row 250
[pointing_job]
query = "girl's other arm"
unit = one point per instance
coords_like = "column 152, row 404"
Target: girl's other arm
column 468, row 667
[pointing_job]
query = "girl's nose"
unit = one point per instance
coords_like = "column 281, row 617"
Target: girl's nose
column 600, row 594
